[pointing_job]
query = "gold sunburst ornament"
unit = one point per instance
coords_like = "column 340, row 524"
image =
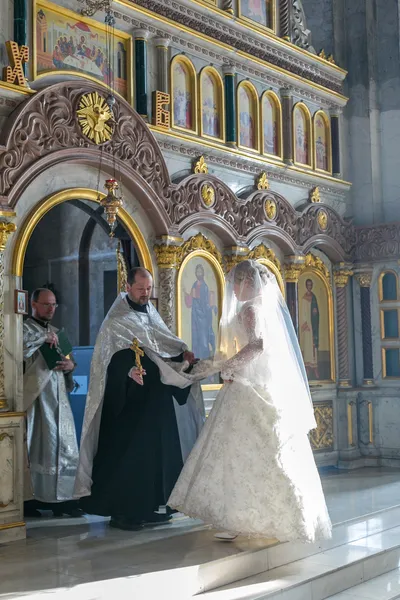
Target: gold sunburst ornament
column 95, row 118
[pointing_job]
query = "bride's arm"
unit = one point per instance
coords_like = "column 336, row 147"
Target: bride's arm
column 251, row 351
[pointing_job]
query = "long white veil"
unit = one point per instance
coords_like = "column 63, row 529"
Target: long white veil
column 253, row 310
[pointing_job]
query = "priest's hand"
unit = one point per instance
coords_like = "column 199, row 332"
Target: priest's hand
column 137, row 375
column 189, row 357
column 52, row 339
column 66, row 365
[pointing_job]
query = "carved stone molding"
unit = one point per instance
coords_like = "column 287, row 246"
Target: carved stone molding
column 45, row 130
column 301, row 35
column 238, row 39
column 378, row 242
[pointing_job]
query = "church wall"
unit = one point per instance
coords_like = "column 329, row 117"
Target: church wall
column 6, row 29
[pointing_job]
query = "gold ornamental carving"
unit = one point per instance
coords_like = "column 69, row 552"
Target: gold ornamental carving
column 95, row 118
column 168, row 256
column 322, row 219
column 262, row 182
column 314, row 262
column 17, row 56
column 200, row 166
column 200, row 242
column 262, row 252
column 315, row 196
column 161, row 115
column 270, row 209
column 208, row 195
column 341, row 276
column 364, row 279
column 292, row 272
column 331, row 59
column 6, row 229
column 322, row 54
column 122, row 271
column 321, row 438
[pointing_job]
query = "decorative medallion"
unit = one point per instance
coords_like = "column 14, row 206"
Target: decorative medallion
column 364, row 279
column 94, row 115
column 270, row 209
column 208, row 195
column 315, row 197
column 322, row 219
column 262, row 182
column 200, row 166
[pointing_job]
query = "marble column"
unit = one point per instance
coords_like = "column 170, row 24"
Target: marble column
column 285, row 7
column 364, row 279
column 293, row 267
column 335, row 140
column 141, row 36
column 168, row 253
column 287, row 116
column 162, row 45
column 230, row 105
column 6, row 229
column 341, row 276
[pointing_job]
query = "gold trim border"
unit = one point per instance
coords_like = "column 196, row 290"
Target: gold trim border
column 380, row 286
column 182, row 58
column 12, row 525
column 253, row 92
column 307, row 114
column 221, row 96
column 38, row 211
column 328, row 141
column 65, row 12
column 4, row 415
column 219, row 273
column 278, row 107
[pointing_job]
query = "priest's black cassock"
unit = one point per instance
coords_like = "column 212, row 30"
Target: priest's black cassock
column 139, row 455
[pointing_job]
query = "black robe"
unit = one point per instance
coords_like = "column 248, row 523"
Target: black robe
column 139, row 455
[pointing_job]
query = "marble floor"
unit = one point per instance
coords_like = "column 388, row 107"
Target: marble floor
column 83, row 559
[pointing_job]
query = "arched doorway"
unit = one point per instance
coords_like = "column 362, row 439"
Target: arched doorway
column 64, row 244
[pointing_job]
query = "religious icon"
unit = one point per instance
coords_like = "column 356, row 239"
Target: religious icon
column 182, row 96
column 67, row 44
column 314, row 330
column 321, row 154
column 21, row 302
column 200, row 308
column 210, row 106
column 247, row 129
column 257, row 10
column 270, row 126
column 301, row 137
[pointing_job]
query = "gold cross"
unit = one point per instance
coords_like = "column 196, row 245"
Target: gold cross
column 138, row 354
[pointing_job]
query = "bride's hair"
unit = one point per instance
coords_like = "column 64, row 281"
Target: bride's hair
column 249, row 269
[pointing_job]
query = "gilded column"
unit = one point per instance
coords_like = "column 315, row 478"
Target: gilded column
column 230, row 105
column 292, row 269
column 364, row 279
column 287, row 110
column 141, row 36
column 284, row 19
column 6, row 229
column 335, row 138
column 162, row 45
column 168, row 253
column 341, row 277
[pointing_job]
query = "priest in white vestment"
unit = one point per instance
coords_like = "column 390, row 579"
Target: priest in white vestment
column 140, row 422
column 51, row 436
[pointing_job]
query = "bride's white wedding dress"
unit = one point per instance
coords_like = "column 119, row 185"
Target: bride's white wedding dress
column 250, row 472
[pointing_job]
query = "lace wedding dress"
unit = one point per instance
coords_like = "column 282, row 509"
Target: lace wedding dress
column 252, row 470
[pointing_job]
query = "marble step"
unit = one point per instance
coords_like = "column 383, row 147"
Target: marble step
column 322, row 575
column 384, row 587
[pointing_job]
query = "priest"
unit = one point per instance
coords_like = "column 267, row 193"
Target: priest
column 142, row 414
column 51, row 437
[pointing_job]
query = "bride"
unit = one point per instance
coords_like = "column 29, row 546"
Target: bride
column 252, row 471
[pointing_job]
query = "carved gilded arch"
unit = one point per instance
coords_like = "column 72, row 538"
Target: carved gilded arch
column 45, row 131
